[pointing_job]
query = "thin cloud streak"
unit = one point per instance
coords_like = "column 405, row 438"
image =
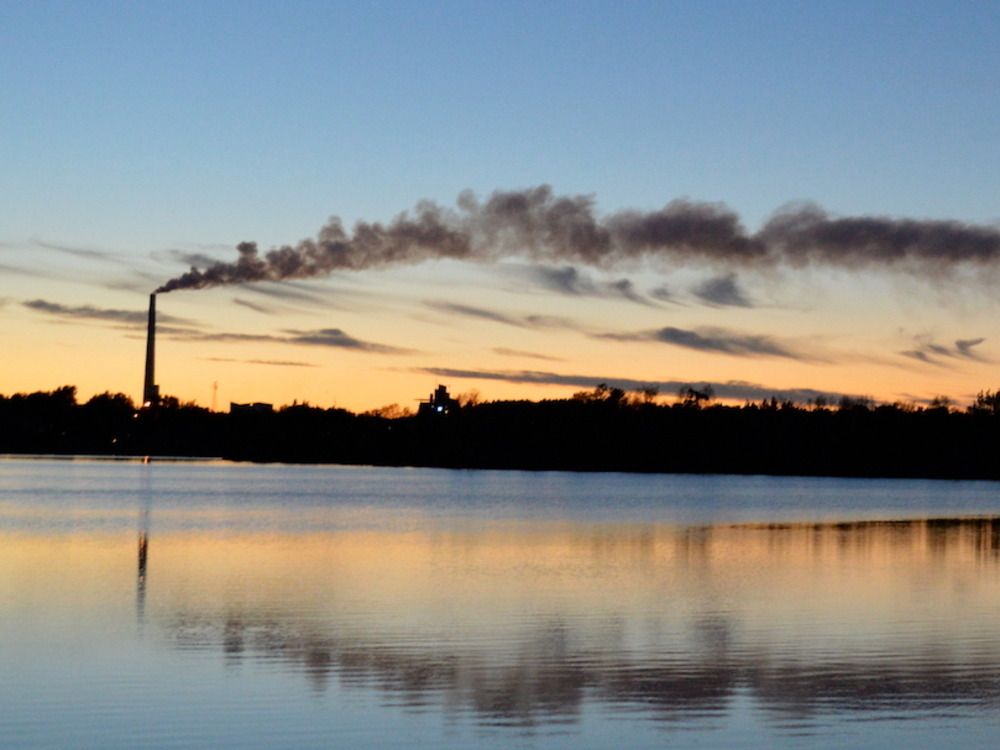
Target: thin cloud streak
column 186, row 257
column 31, row 272
column 81, row 252
column 469, row 311
column 929, row 352
column 521, row 354
column 510, row 319
column 262, row 309
column 324, row 337
column 571, row 281
column 716, row 340
column 335, row 337
column 272, row 362
column 89, row 312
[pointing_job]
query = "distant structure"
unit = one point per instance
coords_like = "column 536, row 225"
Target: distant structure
column 439, row 403
column 151, row 391
column 257, row 407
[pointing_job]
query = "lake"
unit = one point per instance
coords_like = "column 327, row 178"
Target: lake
column 207, row 604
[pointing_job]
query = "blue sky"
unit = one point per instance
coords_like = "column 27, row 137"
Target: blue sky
column 150, row 123
column 140, row 127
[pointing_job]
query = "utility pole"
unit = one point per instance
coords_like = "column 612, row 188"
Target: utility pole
column 215, row 394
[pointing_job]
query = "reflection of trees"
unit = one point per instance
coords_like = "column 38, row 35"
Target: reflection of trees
column 530, row 687
column 942, row 534
column 550, row 673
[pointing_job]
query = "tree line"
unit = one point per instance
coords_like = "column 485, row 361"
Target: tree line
column 603, row 429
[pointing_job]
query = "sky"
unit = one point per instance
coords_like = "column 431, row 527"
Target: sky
column 137, row 140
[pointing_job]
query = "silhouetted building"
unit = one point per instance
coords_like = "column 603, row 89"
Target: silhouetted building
column 439, row 403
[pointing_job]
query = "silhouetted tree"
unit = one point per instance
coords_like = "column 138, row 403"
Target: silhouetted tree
column 601, row 429
column 987, row 402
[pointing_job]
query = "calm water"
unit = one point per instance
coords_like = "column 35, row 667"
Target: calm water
column 215, row 605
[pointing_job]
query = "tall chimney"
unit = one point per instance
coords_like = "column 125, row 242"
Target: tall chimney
column 151, row 391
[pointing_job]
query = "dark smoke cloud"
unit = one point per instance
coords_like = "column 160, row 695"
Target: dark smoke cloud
column 722, row 291
column 732, row 389
column 538, row 225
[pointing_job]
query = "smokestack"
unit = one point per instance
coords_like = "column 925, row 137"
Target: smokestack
column 151, row 391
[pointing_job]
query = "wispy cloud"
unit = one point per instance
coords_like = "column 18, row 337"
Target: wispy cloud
column 553, row 321
column 337, row 338
column 730, row 389
column 285, row 291
column 663, row 293
column 263, row 309
column 571, row 281
column 722, row 291
column 469, row 311
column 89, row 312
column 625, row 289
column 521, row 354
column 31, row 272
column 221, row 337
column 186, row 257
column 716, row 340
column 89, row 253
column 511, row 319
column 325, row 337
column 964, row 348
column 307, row 295
column 725, row 342
column 931, row 353
column 272, row 362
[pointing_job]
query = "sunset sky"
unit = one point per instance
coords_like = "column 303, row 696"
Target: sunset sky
column 137, row 140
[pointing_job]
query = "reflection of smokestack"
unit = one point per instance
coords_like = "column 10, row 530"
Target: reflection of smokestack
column 151, row 391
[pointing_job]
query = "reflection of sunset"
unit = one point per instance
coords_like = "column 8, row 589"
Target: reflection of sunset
column 531, row 623
column 837, row 589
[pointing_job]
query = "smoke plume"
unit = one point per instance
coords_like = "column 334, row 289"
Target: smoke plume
column 538, row 225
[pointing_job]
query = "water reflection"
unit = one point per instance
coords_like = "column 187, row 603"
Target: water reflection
column 302, row 607
column 145, row 506
column 532, row 625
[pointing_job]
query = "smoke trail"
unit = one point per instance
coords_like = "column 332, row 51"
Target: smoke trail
column 541, row 226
